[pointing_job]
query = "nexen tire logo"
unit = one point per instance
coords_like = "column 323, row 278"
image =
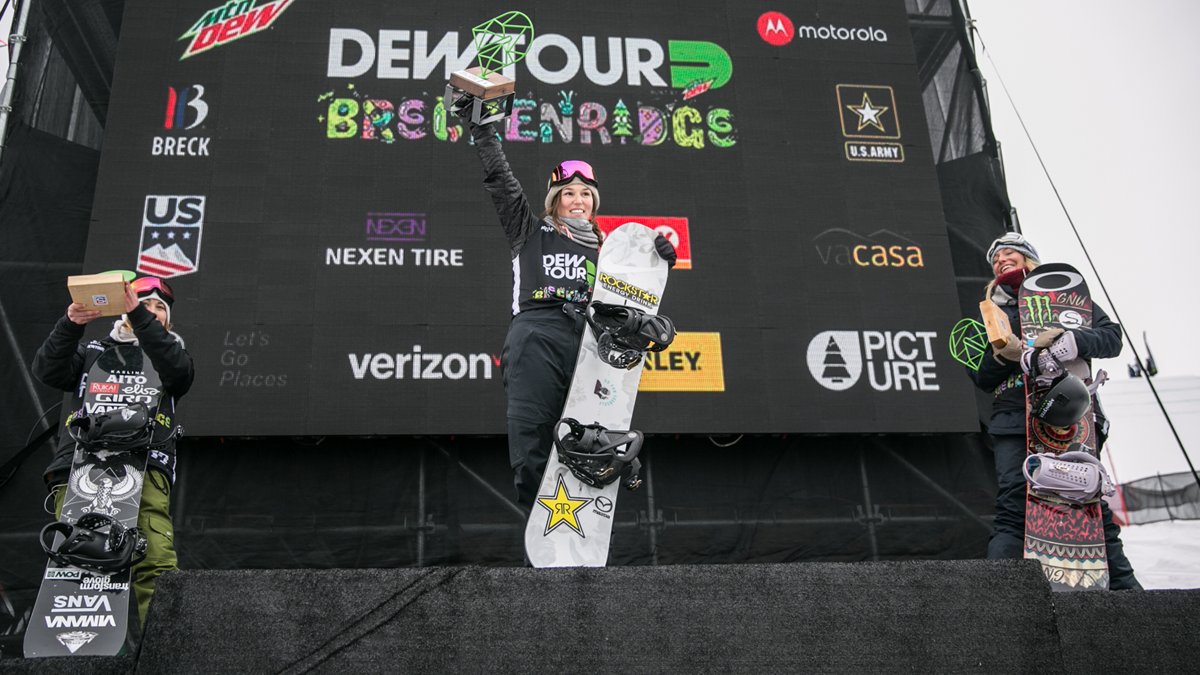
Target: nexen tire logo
column 893, row 360
column 421, row 365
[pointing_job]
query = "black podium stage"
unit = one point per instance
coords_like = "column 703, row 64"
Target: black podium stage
column 947, row 616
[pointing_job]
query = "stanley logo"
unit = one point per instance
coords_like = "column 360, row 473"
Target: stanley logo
column 692, row 363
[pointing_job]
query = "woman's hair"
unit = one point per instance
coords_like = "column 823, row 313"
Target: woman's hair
column 553, row 210
column 987, row 292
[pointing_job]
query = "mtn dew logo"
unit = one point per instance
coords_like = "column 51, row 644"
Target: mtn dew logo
column 228, row 22
column 590, row 271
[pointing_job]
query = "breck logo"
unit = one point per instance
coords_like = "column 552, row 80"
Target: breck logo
column 627, row 290
column 893, row 360
column 228, row 22
column 879, row 249
column 868, row 112
column 673, row 228
column 186, row 110
column 692, row 363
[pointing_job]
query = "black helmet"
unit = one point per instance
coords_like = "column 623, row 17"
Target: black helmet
column 85, row 546
column 624, row 334
column 1064, row 403
column 598, row 456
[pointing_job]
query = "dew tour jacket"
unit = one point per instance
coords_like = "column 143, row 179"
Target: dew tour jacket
column 549, row 269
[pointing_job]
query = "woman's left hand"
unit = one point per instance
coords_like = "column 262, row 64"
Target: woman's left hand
column 665, row 250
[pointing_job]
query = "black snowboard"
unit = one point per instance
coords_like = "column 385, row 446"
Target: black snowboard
column 80, row 612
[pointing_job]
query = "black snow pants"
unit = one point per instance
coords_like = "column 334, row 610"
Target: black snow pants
column 537, row 364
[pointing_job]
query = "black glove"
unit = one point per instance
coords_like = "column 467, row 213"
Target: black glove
column 665, row 250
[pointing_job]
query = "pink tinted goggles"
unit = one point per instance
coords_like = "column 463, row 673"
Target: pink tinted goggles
column 567, row 171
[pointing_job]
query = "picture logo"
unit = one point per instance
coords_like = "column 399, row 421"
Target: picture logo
column 868, row 112
column 171, row 229
column 228, row 22
column 396, row 227
column 775, row 28
column 692, row 363
column 186, row 110
column 892, row 360
column 673, row 228
column 605, row 391
column 880, row 249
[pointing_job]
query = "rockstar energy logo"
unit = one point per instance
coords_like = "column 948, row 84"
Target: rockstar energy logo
column 627, row 290
column 691, row 363
column 1039, row 310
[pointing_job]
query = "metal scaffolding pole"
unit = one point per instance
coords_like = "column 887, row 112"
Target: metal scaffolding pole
column 10, row 82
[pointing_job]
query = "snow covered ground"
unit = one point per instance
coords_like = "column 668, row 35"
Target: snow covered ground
column 1165, row 555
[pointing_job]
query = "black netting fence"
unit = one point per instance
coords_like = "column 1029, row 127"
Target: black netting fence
column 1175, row 496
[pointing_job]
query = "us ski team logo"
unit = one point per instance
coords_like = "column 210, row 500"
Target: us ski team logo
column 171, row 229
column 563, row 509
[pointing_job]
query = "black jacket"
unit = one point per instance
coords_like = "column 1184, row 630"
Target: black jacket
column 62, row 361
column 549, row 269
column 1101, row 341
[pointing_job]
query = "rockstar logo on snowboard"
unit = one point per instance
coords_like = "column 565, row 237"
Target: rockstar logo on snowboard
column 563, row 508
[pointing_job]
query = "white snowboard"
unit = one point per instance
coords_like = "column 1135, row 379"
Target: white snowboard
column 571, row 522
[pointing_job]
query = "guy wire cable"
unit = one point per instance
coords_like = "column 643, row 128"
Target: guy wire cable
column 1091, row 263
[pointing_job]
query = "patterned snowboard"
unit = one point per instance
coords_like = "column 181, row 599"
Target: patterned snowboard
column 1067, row 539
column 82, row 613
column 571, row 522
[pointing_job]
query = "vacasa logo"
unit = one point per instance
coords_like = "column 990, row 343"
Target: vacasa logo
column 231, row 21
column 186, row 110
column 892, row 360
column 839, row 247
column 419, row 364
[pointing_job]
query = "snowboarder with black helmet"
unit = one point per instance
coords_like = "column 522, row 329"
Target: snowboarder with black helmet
column 1012, row 257
column 63, row 361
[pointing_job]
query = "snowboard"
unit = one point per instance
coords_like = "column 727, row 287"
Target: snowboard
column 570, row 524
column 1067, row 539
column 79, row 612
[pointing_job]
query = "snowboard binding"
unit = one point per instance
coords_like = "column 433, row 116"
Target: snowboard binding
column 128, row 428
column 599, row 456
column 87, row 546
column 624, row 334
column 1075, row 477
